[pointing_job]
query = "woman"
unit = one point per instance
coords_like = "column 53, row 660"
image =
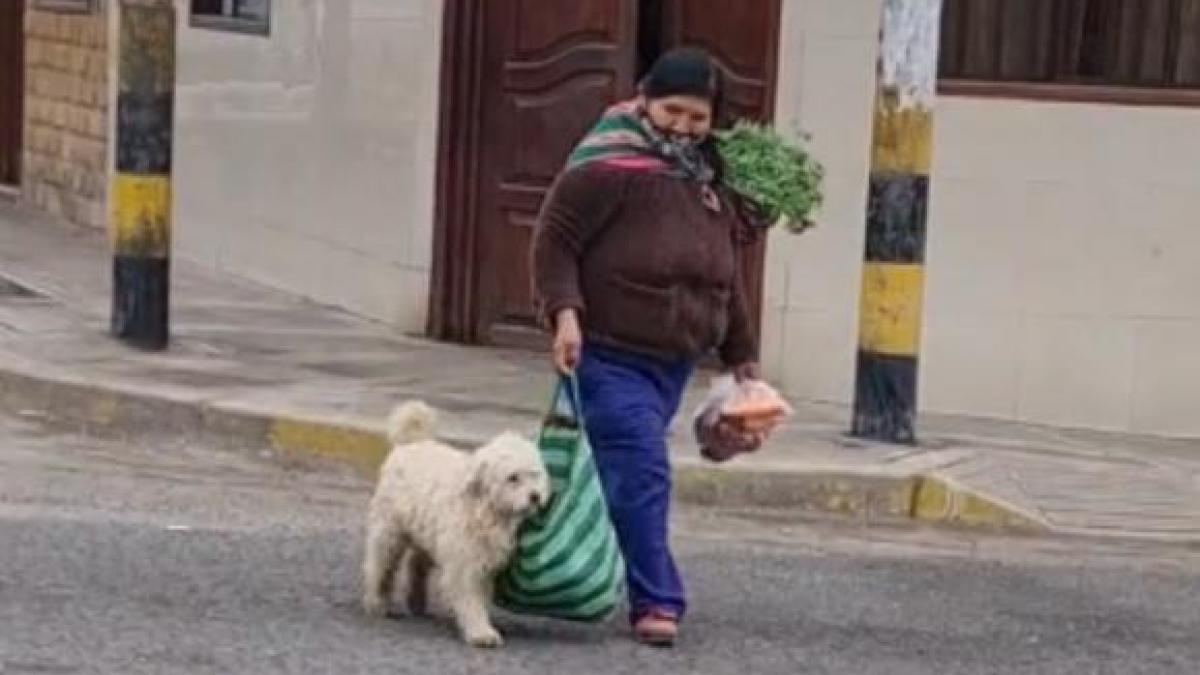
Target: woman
column 635, row 270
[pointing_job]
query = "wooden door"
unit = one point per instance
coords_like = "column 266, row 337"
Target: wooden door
column 743, row 39
column 12, row 89
column 545, row 69
column 522, row 80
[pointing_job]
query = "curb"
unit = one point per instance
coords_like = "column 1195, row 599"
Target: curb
column 872, row 498
column 938, row 499
column 865, row 496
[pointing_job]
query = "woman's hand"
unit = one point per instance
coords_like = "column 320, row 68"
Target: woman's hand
column 730, row 438
column 747, row 372
column 568, row 341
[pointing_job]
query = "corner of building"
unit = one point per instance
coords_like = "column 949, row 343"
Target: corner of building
column 67, row 112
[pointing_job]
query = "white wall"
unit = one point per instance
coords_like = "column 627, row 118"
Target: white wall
column 1063, row 262
column 826, row 87
column 305, row 160
column 1064, row 265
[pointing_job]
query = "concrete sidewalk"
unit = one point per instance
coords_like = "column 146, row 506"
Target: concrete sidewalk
column 254, row 368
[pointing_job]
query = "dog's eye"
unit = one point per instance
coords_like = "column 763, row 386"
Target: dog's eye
column 514, row 478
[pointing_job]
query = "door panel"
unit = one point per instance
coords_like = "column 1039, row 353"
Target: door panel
column 742, row 38
column 522, row 82
column 12, row 89
column 550, row 67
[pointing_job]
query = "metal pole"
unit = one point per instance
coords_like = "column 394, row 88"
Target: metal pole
column 885, row 391
column 140, row 214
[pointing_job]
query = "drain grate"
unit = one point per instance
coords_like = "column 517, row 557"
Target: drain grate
column 12, row 289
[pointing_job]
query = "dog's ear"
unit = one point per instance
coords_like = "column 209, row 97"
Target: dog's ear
column 478, row 478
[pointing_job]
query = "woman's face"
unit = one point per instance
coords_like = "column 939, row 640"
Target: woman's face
column 689, row 116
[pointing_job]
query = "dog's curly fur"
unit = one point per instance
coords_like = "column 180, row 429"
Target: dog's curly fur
column 436, row 507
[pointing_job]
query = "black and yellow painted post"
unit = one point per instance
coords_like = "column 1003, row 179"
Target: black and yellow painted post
column 140, row 198
column 885, row 391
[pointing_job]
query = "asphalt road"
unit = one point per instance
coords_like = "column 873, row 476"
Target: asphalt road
column 173, row 558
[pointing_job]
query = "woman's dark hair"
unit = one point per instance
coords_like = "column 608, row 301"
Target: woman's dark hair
column 688, row 71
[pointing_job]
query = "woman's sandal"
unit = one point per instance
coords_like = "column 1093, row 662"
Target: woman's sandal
column 656, row 628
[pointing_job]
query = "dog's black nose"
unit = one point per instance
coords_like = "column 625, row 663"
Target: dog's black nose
column 536, row 498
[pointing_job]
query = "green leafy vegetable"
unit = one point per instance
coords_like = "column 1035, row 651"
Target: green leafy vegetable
column 777, row 174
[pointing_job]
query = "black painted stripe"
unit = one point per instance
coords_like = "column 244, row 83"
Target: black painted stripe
column 896, row 211
column 141, row 293
column 885, row 390
column 144, row 132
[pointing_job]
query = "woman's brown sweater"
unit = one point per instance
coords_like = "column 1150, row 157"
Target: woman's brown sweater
column 649, row 267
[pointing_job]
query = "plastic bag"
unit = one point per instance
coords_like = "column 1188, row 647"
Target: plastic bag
column 753, row 408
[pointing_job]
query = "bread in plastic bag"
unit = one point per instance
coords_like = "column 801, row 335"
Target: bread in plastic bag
column 752, row 407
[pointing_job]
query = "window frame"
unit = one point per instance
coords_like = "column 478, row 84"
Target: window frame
column 231, row 24
column 1070, row 93
column 65, row 6
column 1065, row 90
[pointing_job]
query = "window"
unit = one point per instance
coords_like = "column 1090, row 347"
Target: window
column 243, row 16
column 67, row 6
column 1083, row 48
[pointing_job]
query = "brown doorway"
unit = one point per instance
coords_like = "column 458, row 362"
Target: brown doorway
column 12, row 90
column 743, row 37
column 521, row 82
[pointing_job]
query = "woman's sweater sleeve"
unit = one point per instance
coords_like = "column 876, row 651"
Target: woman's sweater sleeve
column 741, row 341
column 581, row 202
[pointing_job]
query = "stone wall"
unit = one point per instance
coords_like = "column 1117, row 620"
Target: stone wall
column 66, row 113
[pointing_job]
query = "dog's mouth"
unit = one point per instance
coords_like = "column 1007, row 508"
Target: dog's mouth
column 534, row 504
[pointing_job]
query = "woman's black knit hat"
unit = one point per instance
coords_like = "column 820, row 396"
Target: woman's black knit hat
column 686, row 71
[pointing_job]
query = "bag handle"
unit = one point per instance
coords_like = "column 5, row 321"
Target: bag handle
column 566, row 408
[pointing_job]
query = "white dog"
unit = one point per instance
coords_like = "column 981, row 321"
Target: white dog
column 441, row 508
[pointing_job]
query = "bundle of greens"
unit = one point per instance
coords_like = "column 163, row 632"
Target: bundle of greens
column 779, row 176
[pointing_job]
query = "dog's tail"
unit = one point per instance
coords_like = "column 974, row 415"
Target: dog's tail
column 411, row 422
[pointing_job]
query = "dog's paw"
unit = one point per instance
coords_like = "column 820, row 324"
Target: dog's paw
column 417, row 601
column 375, row 606
column 418, row 608
column 485, row 639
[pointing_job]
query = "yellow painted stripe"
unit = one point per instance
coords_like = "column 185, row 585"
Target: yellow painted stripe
column 362, row 449
column 902, row 139
column 890, row 309
column 938, row 500
column 141, row 214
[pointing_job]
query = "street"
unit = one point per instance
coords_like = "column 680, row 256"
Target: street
column 168, row 557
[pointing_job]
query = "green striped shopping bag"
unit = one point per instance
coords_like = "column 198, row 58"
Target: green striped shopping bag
column 566, row 564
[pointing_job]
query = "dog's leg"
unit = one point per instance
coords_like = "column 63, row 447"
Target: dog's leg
column 385, row 547
column 419, row 566
column 468, row 591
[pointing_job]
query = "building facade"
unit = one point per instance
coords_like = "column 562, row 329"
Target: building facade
column 54, row 138
column 386, row 156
